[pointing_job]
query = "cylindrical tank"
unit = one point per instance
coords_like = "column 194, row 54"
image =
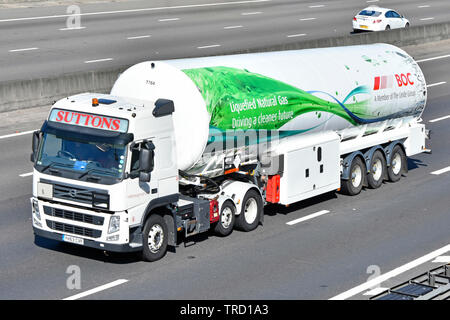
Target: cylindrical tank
column 298, row 92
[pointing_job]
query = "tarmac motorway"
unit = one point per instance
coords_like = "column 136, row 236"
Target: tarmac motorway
column 46, row 40
column 354, row 240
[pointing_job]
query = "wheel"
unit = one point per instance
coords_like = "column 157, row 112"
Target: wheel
column 388, row 27
column 377, row 170
column 407, row 25
column 252, row 207
column 397, row 164
column 354, row 184
column 154, row 238
column 226, row 219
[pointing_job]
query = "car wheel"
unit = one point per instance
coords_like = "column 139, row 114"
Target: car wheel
column 407, row 25
column 388, row 27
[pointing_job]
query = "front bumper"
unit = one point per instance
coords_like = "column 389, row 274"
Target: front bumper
column 89, row 243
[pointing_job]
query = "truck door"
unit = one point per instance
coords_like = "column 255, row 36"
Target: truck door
column 138, row 191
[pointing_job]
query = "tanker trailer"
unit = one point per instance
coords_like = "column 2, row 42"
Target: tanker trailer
column 206, row 142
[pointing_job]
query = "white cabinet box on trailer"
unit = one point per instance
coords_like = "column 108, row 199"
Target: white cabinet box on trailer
column 194, row 144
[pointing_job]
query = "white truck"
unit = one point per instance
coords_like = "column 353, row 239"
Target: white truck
column 183, row 146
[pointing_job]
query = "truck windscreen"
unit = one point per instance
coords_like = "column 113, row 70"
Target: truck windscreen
column 94, row 160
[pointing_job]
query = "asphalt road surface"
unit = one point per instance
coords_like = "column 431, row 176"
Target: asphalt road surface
column 44, row 41
column 357, row 239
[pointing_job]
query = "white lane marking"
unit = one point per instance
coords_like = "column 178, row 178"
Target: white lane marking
column 250, row 13
column 168, row 19
column 99, row 60
column 434, row 58
column 139, row 37
column 23, row 175
column 439, row 119
column 424, row 6
column 393, row 273
column 317, row 6
column 375, row 291
column 16, row 134
column 426, row 19
column 307, row 19
column 436, row 84
column 308, row 217
column 296, row 35
column 369, row 1
column 24, row 49
column 210, row 46
column 137, row 10
column 438, row 172
column 98, row 289
column 442, row 259
column 232, row 27
column 75, row 28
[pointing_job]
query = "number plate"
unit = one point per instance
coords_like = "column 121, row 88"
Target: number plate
column 71, row 239
column 362, row 26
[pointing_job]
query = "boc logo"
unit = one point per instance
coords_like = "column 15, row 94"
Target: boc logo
column 403, row 80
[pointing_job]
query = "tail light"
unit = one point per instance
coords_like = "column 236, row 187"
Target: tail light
column 213, row 211
column 377, row 21
column 354, row 19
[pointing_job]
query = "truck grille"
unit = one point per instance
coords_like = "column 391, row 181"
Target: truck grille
column 68, row 228
column 71, row 215
column 98, row 199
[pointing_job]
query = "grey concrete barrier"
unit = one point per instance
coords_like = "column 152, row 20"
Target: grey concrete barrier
column 398, row 37
column 20, row 94
column 23, row 94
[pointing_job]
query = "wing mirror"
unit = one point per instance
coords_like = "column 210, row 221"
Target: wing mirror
column 146, row 161
column 35, row 145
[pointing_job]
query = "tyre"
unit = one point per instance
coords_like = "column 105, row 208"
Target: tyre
column 227, row 219
column 154, row 238
column 354, row 184
column 407, row 25
column 377, row 170
column 252, row 208
column 388, row 27
column 397, row 164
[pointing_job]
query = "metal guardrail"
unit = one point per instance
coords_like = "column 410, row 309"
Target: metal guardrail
column 431, row 285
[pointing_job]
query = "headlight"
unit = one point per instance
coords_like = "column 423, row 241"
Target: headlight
column 114, row 224
column 36, row 209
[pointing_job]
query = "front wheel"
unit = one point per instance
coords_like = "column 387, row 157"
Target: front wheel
column 154, row 238
column 252, row 208
column 407, row 25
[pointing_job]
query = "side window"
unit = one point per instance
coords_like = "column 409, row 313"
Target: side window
column 388, row 14
column 134, row 168
column 135, row 151
column 395, row 14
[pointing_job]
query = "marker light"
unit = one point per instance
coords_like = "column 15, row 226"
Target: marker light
column 94, row 102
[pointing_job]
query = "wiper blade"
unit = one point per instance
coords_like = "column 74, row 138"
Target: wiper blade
column 88, row 172
column 54, row 163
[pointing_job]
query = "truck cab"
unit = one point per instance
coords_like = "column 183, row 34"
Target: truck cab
column 101, row 163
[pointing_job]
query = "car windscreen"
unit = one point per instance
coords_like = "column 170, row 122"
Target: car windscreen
column 370, row 13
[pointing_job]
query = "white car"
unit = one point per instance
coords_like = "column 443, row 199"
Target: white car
column 378, row 19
